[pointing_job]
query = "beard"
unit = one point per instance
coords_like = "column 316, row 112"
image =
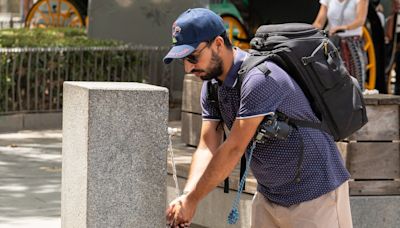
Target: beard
column 216, row 68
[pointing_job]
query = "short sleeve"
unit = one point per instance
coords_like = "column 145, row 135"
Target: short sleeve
column 324, row 2
column 210, row 110
column 262, row 94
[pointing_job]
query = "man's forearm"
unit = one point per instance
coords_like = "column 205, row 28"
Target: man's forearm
column 200, row 161
column 220, row 166
column 226, row 157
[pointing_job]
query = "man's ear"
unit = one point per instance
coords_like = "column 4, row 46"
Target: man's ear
column 219, row 42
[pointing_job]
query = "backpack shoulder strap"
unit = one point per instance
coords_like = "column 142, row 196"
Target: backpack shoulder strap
column 308, row 124
column 212, row 92
column 253, row 61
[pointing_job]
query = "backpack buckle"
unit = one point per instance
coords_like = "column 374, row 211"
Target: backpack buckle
column 326, row 47
column 307, row 60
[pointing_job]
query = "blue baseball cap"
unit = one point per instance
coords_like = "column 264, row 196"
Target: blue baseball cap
column 190, row 29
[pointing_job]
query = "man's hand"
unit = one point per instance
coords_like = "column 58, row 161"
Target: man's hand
column 180, row 212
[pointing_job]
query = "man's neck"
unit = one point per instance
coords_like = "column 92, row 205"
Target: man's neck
column 228, row 60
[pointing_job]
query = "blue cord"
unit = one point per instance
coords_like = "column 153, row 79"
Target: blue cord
column 233, row 216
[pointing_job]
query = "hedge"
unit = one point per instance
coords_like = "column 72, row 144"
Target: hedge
column 31, row 78
column 50, row 37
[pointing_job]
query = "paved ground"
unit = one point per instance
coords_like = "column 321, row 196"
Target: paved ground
column 30, row 179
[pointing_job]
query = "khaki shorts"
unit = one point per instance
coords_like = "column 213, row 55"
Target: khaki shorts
column 331, row 210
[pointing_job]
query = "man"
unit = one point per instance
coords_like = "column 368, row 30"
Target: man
column 312, row 194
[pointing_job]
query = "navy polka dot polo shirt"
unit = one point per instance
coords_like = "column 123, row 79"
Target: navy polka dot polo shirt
column 274, row 163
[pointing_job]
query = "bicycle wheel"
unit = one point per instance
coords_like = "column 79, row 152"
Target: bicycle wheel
column 55, row 13
column 371, row 65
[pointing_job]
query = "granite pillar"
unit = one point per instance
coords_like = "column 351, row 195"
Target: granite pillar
column 114, row 150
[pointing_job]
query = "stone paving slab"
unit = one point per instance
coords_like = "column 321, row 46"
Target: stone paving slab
column 30, row 179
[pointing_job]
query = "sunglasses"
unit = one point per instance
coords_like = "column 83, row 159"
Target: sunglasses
column 194, row 59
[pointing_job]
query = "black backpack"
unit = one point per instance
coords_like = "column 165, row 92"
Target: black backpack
column 311, row 59
column 308, row 56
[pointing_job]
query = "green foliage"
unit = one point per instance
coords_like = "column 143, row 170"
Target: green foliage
column 32, row 79
column 50, row 37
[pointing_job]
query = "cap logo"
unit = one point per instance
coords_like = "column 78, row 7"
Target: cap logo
column 175, row 32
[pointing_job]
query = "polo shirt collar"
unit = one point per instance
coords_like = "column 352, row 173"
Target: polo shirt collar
column 231, row 77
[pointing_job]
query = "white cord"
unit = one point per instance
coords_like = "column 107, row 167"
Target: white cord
column 172, row 132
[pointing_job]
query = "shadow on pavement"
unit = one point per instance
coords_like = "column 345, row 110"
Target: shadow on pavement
column 30, row 176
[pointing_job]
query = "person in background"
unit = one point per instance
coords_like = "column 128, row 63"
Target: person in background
column 389, row 41
column 380, row 12
column 345, row 19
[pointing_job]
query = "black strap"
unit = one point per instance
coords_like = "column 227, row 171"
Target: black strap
column 242, row 169
column 301, row 157
column 251, row 62
column 254, row 60
column 309, row 124
column 332, row 59
column 331, row 56
column 212, row 92
column 226, row 185
column 295, row 123
column 226, row 181
column 264, row 69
